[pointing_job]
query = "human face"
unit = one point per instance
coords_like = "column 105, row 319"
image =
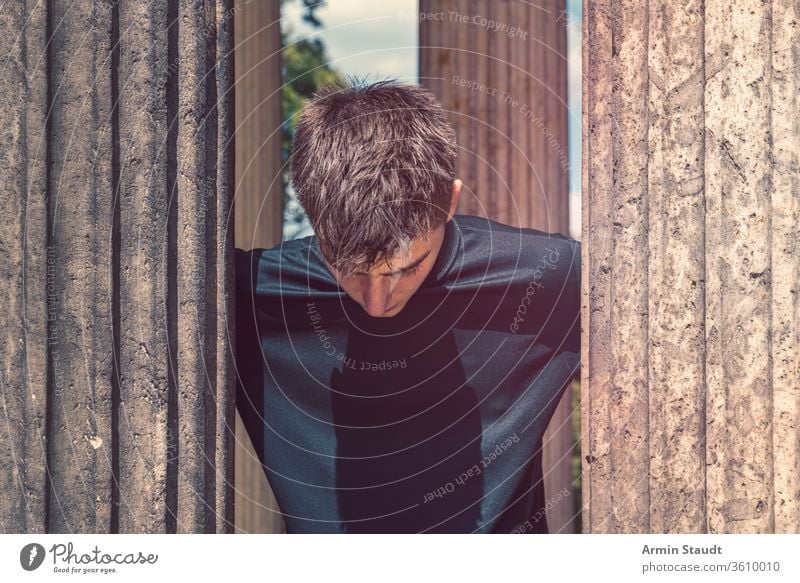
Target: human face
column 384, row 291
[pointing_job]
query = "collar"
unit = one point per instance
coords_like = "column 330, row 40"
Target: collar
column 451, row 244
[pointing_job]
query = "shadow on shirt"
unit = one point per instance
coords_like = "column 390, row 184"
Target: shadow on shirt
column 408, row 431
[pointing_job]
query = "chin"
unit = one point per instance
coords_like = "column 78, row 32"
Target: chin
column 393, row 312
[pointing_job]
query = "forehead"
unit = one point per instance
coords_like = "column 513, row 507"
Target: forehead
column 420, row 249
column 407, row 256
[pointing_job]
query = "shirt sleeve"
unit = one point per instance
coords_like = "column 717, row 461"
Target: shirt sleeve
column 249, row 363
column 573, row 341
column 562, row 330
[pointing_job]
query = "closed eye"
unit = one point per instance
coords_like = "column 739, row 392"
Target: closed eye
column 413, row 270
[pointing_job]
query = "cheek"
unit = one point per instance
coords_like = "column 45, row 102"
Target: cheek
column 404, row 286
column 355, row 290
column 351, row 288
column 410, row 284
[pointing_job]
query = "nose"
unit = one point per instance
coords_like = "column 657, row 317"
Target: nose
column 377, row 294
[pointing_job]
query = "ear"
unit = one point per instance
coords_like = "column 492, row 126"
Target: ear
column 456, row 193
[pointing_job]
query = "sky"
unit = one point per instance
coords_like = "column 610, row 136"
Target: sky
column 379, row 40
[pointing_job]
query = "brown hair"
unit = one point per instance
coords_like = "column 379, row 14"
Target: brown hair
column 373, row 167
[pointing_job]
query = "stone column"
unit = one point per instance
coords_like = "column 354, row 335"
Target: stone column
column 691, row 185
column 499, row 67
column 116, row 256
column 259, row 208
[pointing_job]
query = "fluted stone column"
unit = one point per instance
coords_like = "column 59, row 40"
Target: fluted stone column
column 116, row 255
column 691, row 347
column 259, row 208
column 499, row 67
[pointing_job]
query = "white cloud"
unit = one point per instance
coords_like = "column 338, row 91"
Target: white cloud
column 377, row 39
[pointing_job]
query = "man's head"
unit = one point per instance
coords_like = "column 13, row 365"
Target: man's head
column 374, row 168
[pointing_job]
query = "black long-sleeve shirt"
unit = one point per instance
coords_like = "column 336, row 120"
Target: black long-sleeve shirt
column 427, row 421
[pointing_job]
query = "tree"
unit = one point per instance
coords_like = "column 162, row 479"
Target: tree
column 305, row 69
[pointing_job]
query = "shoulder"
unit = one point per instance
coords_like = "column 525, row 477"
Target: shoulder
column 524, row 247
column 283, row 251
column 483, row 227
column 288, row 267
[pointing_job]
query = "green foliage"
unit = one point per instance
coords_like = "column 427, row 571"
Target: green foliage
column 577, row 469
column 305, row 69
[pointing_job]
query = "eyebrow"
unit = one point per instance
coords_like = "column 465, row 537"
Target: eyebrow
column 408, row 267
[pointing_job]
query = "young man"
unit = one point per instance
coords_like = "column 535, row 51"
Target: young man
column 397, row 370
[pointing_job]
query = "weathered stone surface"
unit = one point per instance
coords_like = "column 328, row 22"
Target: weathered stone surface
column 691, row 357
column 26, row 270
column 118, row 177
